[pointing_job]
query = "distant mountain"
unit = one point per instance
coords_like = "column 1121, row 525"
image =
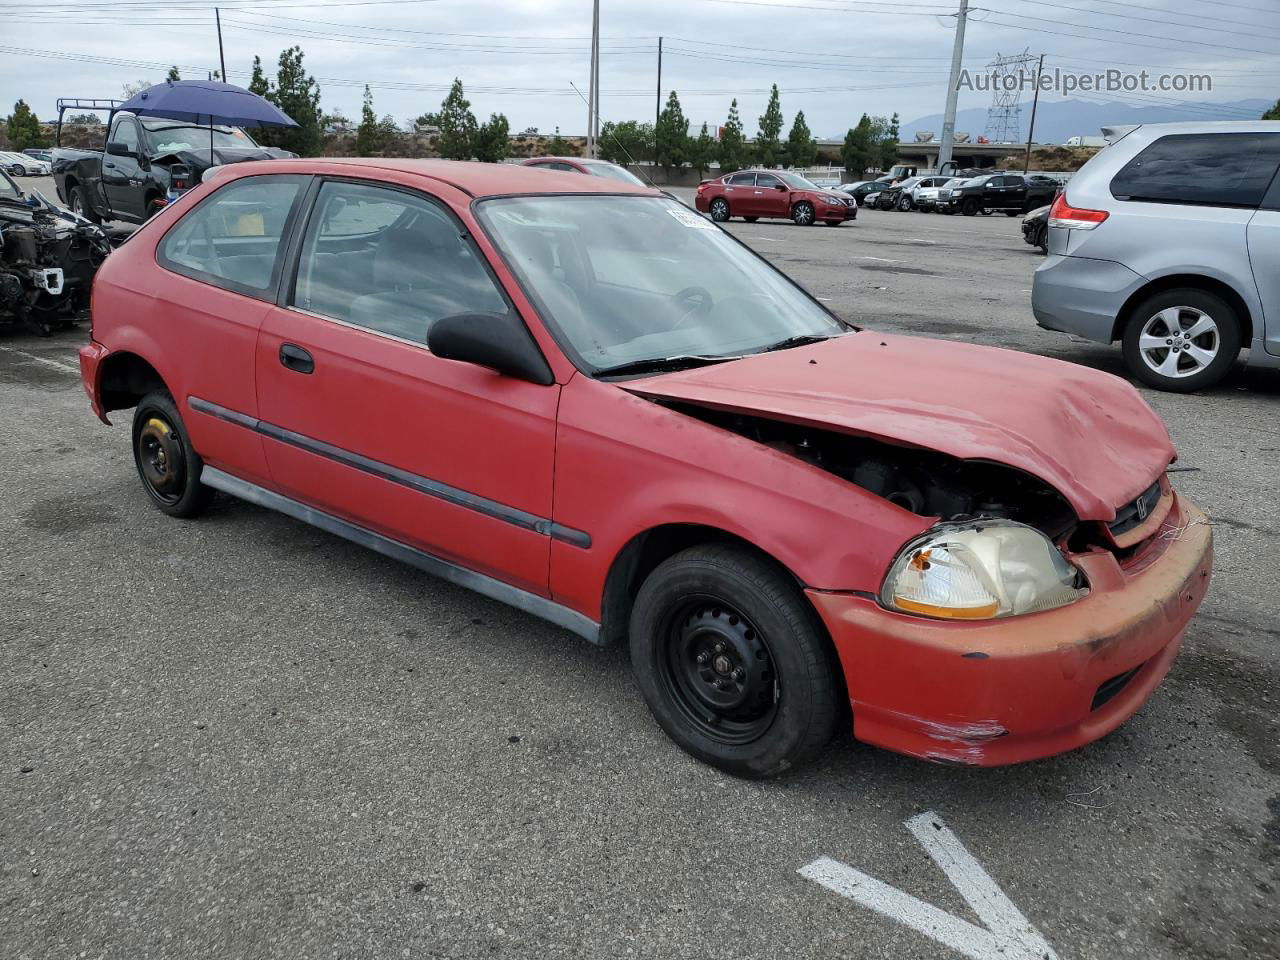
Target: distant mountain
column 1058, row 120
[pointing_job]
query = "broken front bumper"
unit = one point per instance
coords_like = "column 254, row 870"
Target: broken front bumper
column 1006, row 691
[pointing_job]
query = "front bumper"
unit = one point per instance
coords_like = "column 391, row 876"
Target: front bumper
column 1007, row 691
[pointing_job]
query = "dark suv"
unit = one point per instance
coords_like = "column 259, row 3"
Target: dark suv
column 1010, row 193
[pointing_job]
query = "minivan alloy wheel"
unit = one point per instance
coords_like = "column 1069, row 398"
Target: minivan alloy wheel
column 1179, row 341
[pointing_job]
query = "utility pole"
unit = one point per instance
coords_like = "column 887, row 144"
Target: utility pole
column 593, row 89
column 222, row 60
column 657, row 106
column 1035, row 100
column 953, row 88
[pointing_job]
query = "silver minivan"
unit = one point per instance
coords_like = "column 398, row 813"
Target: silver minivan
column 1168, row 240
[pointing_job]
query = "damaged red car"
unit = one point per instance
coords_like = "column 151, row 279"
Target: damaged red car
column 585, row 400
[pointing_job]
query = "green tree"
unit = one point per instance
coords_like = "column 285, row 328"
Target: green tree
column 493, row 139
column 88, row 119
column 733, row 145
column 23, row 128
column 258, row 82
column 558, row 147
column 428, row 121
column 888, row 145
column 457, row 125
column 368, row 134
column 671, row 136
column 768, row 146
column 702, row 150
column 297, row 94
column 173, row 74
column 802, row 150
column 1273, row 113
column 858, row 147
column 626, row 142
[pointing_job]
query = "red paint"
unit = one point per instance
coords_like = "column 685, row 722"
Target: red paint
column 771, row 203
column 605, row 459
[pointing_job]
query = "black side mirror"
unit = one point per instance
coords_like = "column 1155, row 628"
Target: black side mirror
column 781, row 186
column 497, row 341
column 118, row 149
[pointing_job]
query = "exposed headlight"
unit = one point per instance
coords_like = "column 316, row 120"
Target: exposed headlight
column 979, row 570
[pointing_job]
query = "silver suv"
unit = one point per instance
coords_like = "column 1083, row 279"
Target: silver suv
column 1169, row 241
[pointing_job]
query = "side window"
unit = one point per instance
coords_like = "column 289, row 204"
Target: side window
column 1014, row 182
column 389, row 261
column 767, row 181
column 741, row 180
column 1210, row 169
column 233, row 238
column 563, row 166
column 127, row 133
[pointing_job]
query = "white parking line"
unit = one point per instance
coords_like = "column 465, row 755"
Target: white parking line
column 881, row 259
column 1007, row 934
column 58, row 364
column 770, row 239
column 916, row 240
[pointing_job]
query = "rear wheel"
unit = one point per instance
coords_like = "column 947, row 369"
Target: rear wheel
column 1042, row 237
column 167, row 465
column 1182, row 340
column 719, row 209
column 733, row 662
column 802, row 213
column 76, row 200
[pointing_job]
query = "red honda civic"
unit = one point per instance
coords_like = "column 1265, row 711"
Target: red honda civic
column 584, row 399
column 752, row 194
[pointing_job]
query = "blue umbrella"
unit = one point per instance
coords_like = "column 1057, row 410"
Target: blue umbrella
column 207, row 101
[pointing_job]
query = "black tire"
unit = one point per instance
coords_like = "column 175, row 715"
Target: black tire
column 167, row 465
column 1042, row 238
column 970, row 207
column 833, row 223
column 78, row 204
column 802, row 213
column 751, row 219
column 1011, row 213
column 718, row 615
column 947, row 211
column 1226, row 338
column 904, row 203
column 719, row 209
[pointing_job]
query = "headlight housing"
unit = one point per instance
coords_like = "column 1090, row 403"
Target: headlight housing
column 980, row 570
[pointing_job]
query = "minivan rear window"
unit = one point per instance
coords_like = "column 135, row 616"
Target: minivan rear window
column 1204, row 169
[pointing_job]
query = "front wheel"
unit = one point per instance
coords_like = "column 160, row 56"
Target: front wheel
column 970, row 207
column 167, row 465
column 719, row 209
column 802, row 213
column 1182, row 340
column 733, row 662
column 905, row 203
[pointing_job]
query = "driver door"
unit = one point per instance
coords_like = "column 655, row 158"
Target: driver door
column 122, row 176
column 362, row 421
column 771, row 198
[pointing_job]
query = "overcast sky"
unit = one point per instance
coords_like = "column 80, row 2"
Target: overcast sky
column 834, row 59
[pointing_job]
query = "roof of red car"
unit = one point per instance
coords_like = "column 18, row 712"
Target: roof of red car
column 479, row 179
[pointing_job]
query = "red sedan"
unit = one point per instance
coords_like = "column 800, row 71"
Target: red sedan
column 592, row 168
column 752, row 194
column 584, row 399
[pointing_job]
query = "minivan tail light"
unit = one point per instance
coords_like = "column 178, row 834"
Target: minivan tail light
column 1062, row 214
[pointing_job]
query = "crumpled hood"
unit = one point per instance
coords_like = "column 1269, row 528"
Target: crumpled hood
column 1087, row 434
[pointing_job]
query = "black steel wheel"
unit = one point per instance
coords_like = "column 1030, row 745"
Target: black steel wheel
column 970, row 207
column 719, row 209
column 733, row 661
column 167, row 465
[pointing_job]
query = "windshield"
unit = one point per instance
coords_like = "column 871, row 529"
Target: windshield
column 627, row 279
column 614, row 172
column 8, row 189
column 797, row 182
column 166, row 136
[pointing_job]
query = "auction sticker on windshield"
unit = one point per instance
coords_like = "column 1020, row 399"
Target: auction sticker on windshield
column 690, row 219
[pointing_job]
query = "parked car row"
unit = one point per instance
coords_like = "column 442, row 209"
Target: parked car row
column 1008, row 193
column 24, row 164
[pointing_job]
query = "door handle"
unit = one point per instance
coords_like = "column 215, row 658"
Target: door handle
column 110, row 166
column 296, row 359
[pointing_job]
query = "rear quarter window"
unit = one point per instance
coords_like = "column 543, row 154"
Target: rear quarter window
column 1202, row 169
column 234, row 238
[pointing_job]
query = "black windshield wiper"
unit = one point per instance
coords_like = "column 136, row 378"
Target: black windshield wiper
column 661, row 364
column 799, row 340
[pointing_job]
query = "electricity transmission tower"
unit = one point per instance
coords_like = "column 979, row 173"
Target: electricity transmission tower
column 1004, row 124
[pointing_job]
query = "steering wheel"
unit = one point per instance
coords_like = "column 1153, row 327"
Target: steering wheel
column 695, row 300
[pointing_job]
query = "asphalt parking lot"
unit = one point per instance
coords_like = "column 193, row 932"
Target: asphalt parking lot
column 242, row 737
